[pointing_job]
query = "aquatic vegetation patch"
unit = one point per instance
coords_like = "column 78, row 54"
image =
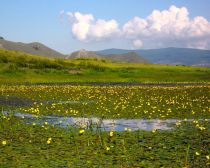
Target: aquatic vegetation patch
column 24, row 145
column 43, row 144
column 178, row 102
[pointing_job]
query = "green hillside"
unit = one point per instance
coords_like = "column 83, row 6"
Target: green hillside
column 18, row 67
column 30, row 48
column 131, row 57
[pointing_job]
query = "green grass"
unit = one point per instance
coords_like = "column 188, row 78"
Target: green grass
column 17, row 67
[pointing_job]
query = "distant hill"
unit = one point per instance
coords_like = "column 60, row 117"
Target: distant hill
column 83, row 54
column 113, row 51
column 30, row 48
column 180, row 56
column 126, row 57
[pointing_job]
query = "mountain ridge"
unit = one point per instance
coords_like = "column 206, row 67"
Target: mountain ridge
column 34, row 48
column 131, row 57
column 171, row 55
column 83, row 54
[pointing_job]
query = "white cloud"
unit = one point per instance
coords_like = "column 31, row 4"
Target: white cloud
column 199, row 27
column 85, row 28
column 137, row 43
column 172, row 27
column 103, row 29
column 134, row 27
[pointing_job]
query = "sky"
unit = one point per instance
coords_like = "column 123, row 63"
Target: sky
column 70, row 25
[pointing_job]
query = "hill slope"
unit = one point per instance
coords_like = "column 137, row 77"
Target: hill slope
column 131, row 57
column 83, row 54
column 30, row 48
column 183, row 56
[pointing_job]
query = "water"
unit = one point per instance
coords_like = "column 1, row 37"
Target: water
column 16, row 101
column 96, row 123
column 88, row 123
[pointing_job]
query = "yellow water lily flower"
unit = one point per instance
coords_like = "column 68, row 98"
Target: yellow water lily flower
column 154, row 130
column 49, row 140
column 111, row 133
column 81, row 131
column 129, row 129
column 197, row 153
column 4, row 142
column 107, row 148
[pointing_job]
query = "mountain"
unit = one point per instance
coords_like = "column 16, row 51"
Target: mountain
column 113, row 51
column 183, row 56
column 84, row 54
column 127, row 57
column 30, row 48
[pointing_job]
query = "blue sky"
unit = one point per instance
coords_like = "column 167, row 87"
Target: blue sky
column 110, row 23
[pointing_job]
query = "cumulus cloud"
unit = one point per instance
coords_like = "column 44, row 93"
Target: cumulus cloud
column 85, row 28
column 137, row 43
column 171, row 27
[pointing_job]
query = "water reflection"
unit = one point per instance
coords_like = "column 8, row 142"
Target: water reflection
column 96, row 123
column 113, row 124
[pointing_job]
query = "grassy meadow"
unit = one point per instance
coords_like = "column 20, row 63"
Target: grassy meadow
column 17, row 67
column 26, row 143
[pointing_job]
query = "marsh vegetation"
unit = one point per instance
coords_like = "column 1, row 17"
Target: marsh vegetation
column 46, row 144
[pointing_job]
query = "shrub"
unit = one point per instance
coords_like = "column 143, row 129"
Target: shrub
column 3, row 59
